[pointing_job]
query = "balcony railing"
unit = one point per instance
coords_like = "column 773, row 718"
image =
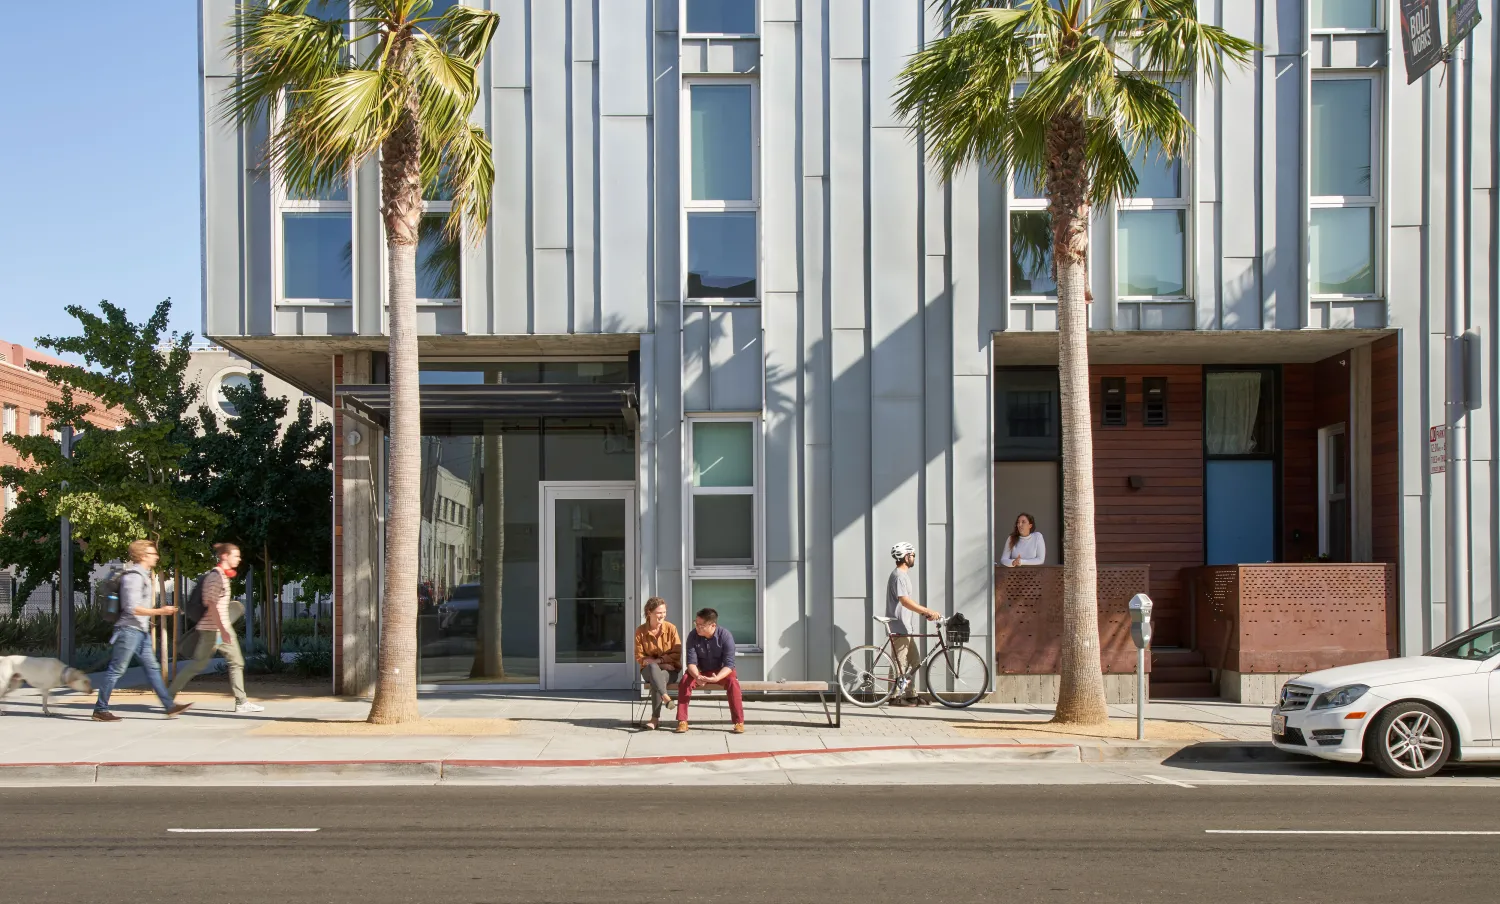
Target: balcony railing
column 1029, row 618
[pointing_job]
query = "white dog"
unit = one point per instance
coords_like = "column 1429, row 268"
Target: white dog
column 42, row 673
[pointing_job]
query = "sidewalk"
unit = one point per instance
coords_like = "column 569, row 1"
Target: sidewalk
column 483, row 734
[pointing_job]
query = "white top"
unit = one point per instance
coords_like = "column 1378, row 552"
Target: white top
column 1031, row 550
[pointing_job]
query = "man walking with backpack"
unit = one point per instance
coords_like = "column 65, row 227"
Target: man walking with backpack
column 214, row 629
column 132, row 636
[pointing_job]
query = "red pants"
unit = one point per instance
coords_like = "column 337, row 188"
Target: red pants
column 731, row 686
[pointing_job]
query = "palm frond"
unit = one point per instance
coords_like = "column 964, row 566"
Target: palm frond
column 1111, row 167
column 333, row 122
column 956, row 94
column 466, row 32
column 447, row 89
column 277, row 50
column 469, row 170
column 1174, row 43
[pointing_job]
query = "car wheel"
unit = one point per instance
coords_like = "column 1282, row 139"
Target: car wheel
column 1410, row 740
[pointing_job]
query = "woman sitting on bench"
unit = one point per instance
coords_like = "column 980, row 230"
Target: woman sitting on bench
column 658, row 652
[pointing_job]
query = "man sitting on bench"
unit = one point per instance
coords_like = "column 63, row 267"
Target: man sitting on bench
column 710, row 661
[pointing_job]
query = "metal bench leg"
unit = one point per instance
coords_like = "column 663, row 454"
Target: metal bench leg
column 837, row 716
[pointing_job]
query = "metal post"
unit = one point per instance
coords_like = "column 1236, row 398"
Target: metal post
column 65, row 570
column 1456, row 478
column 1140, row 693
column 249, row 598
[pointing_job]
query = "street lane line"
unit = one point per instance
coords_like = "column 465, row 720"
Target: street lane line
column 234, row 831
column 1169, row 781
column 1345, row 832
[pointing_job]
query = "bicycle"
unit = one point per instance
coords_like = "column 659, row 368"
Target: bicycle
column 956, row 675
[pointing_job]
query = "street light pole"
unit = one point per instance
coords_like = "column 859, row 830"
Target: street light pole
column 65, row 570
column 1456, row 478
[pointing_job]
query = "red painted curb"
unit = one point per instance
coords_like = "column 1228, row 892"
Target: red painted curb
column 513, row 764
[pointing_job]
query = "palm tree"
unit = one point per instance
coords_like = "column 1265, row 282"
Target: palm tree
column 394, row 84
column 1065, row 98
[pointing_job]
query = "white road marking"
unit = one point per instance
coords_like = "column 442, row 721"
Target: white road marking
column 234, row 831
column 1344, row 832
column 1168, row 781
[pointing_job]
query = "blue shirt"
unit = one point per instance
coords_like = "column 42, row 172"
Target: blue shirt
column 711, row 654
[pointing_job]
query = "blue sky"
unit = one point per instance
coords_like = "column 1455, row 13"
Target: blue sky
column 101, row 157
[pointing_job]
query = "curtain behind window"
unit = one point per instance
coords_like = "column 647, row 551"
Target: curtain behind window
column 1233, row 404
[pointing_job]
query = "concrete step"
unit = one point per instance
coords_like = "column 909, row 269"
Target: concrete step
column 1176, row 658
column 1180, row 674
column 1196, row 690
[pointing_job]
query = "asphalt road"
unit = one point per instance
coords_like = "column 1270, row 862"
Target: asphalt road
column 782, row 844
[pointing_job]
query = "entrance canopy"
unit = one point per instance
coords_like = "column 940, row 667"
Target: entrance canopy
column 504, row 400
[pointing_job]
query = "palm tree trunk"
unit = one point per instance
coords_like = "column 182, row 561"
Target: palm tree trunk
column 489, row 659
column 401, row 189
column 1081, row 691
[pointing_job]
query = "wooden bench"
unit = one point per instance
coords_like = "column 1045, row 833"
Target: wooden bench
column 756, row 688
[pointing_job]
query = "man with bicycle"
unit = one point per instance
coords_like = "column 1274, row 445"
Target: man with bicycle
column 902, row 608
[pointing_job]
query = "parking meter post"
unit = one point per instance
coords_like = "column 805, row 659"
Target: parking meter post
column 1140, row 634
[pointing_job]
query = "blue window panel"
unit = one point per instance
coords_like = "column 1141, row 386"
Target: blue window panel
column 721, row 17
column 721, row 255
column 722, row 143
column 439, row 259
column 1241, row 512
column 317, row 256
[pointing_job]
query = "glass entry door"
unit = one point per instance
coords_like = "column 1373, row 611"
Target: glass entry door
column 588, row 596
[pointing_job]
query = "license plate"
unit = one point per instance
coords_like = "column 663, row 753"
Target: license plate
column 1278, row 724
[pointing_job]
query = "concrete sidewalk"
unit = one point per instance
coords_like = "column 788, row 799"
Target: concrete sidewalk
column 306, row 738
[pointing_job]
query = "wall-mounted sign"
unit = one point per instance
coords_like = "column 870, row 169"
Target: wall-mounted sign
column 1421, row 36
column 1437, row 450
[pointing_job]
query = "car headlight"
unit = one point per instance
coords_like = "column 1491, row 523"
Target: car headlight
column 1340, row 696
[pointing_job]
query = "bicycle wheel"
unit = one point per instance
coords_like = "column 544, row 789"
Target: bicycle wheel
column 957, row 676
column 867, row 676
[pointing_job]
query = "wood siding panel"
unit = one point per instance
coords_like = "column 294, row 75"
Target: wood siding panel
column 1385, row 465
column 1299, row 462
column 1161, row 524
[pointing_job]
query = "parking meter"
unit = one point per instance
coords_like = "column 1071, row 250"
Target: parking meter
column 1140, row 633
column 1140, row 620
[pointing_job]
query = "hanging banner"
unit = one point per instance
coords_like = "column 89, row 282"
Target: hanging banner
column 1463, row 16
column 1421, row 36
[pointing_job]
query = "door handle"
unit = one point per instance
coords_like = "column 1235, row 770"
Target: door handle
column 552, row 612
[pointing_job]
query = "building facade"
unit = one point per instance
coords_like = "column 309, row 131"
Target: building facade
column 728, row 338
column 212, row 369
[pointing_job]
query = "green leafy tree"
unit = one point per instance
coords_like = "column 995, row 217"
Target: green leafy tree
column 397, row 85
column 117, row 482
column 273, row 486
column 1096, row 98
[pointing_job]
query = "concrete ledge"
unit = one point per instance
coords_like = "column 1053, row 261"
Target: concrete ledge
column 1259, row 688
column 1043, row 689
column 390, row 772
column 48, row 773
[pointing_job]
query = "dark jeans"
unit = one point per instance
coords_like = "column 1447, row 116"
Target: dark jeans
column 132, row 643
column 658, row 678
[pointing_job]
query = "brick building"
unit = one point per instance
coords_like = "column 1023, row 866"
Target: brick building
column 24, row 395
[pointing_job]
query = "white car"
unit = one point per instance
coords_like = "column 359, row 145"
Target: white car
column 1408, row 716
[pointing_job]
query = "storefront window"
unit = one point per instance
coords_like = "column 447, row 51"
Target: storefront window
column 479, row 580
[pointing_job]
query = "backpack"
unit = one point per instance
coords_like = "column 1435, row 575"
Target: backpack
column 195, row 610
column 108, row 591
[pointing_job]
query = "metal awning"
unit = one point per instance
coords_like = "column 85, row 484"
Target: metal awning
column 505, row 400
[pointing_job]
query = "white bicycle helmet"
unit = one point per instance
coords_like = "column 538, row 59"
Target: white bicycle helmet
column 902, row 550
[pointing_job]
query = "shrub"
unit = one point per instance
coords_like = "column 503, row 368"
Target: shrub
column 302, row 627
column 313, row 664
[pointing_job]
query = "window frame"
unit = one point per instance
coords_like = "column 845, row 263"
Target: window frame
column 10, row 417
column 432, row 209
column 690, row 206
column 34, row 423
column 1183, row 202
column 1017, row 205
column 755, row 571
column 1373, row 202
column 282, row 205
column 1377, row 28
column 755, row 16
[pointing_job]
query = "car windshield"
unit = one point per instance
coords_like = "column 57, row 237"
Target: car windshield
column 1475, row 644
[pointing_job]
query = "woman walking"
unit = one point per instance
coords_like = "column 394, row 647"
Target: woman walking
column 658, row 652
column 132, row 637
column 1025, row 545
